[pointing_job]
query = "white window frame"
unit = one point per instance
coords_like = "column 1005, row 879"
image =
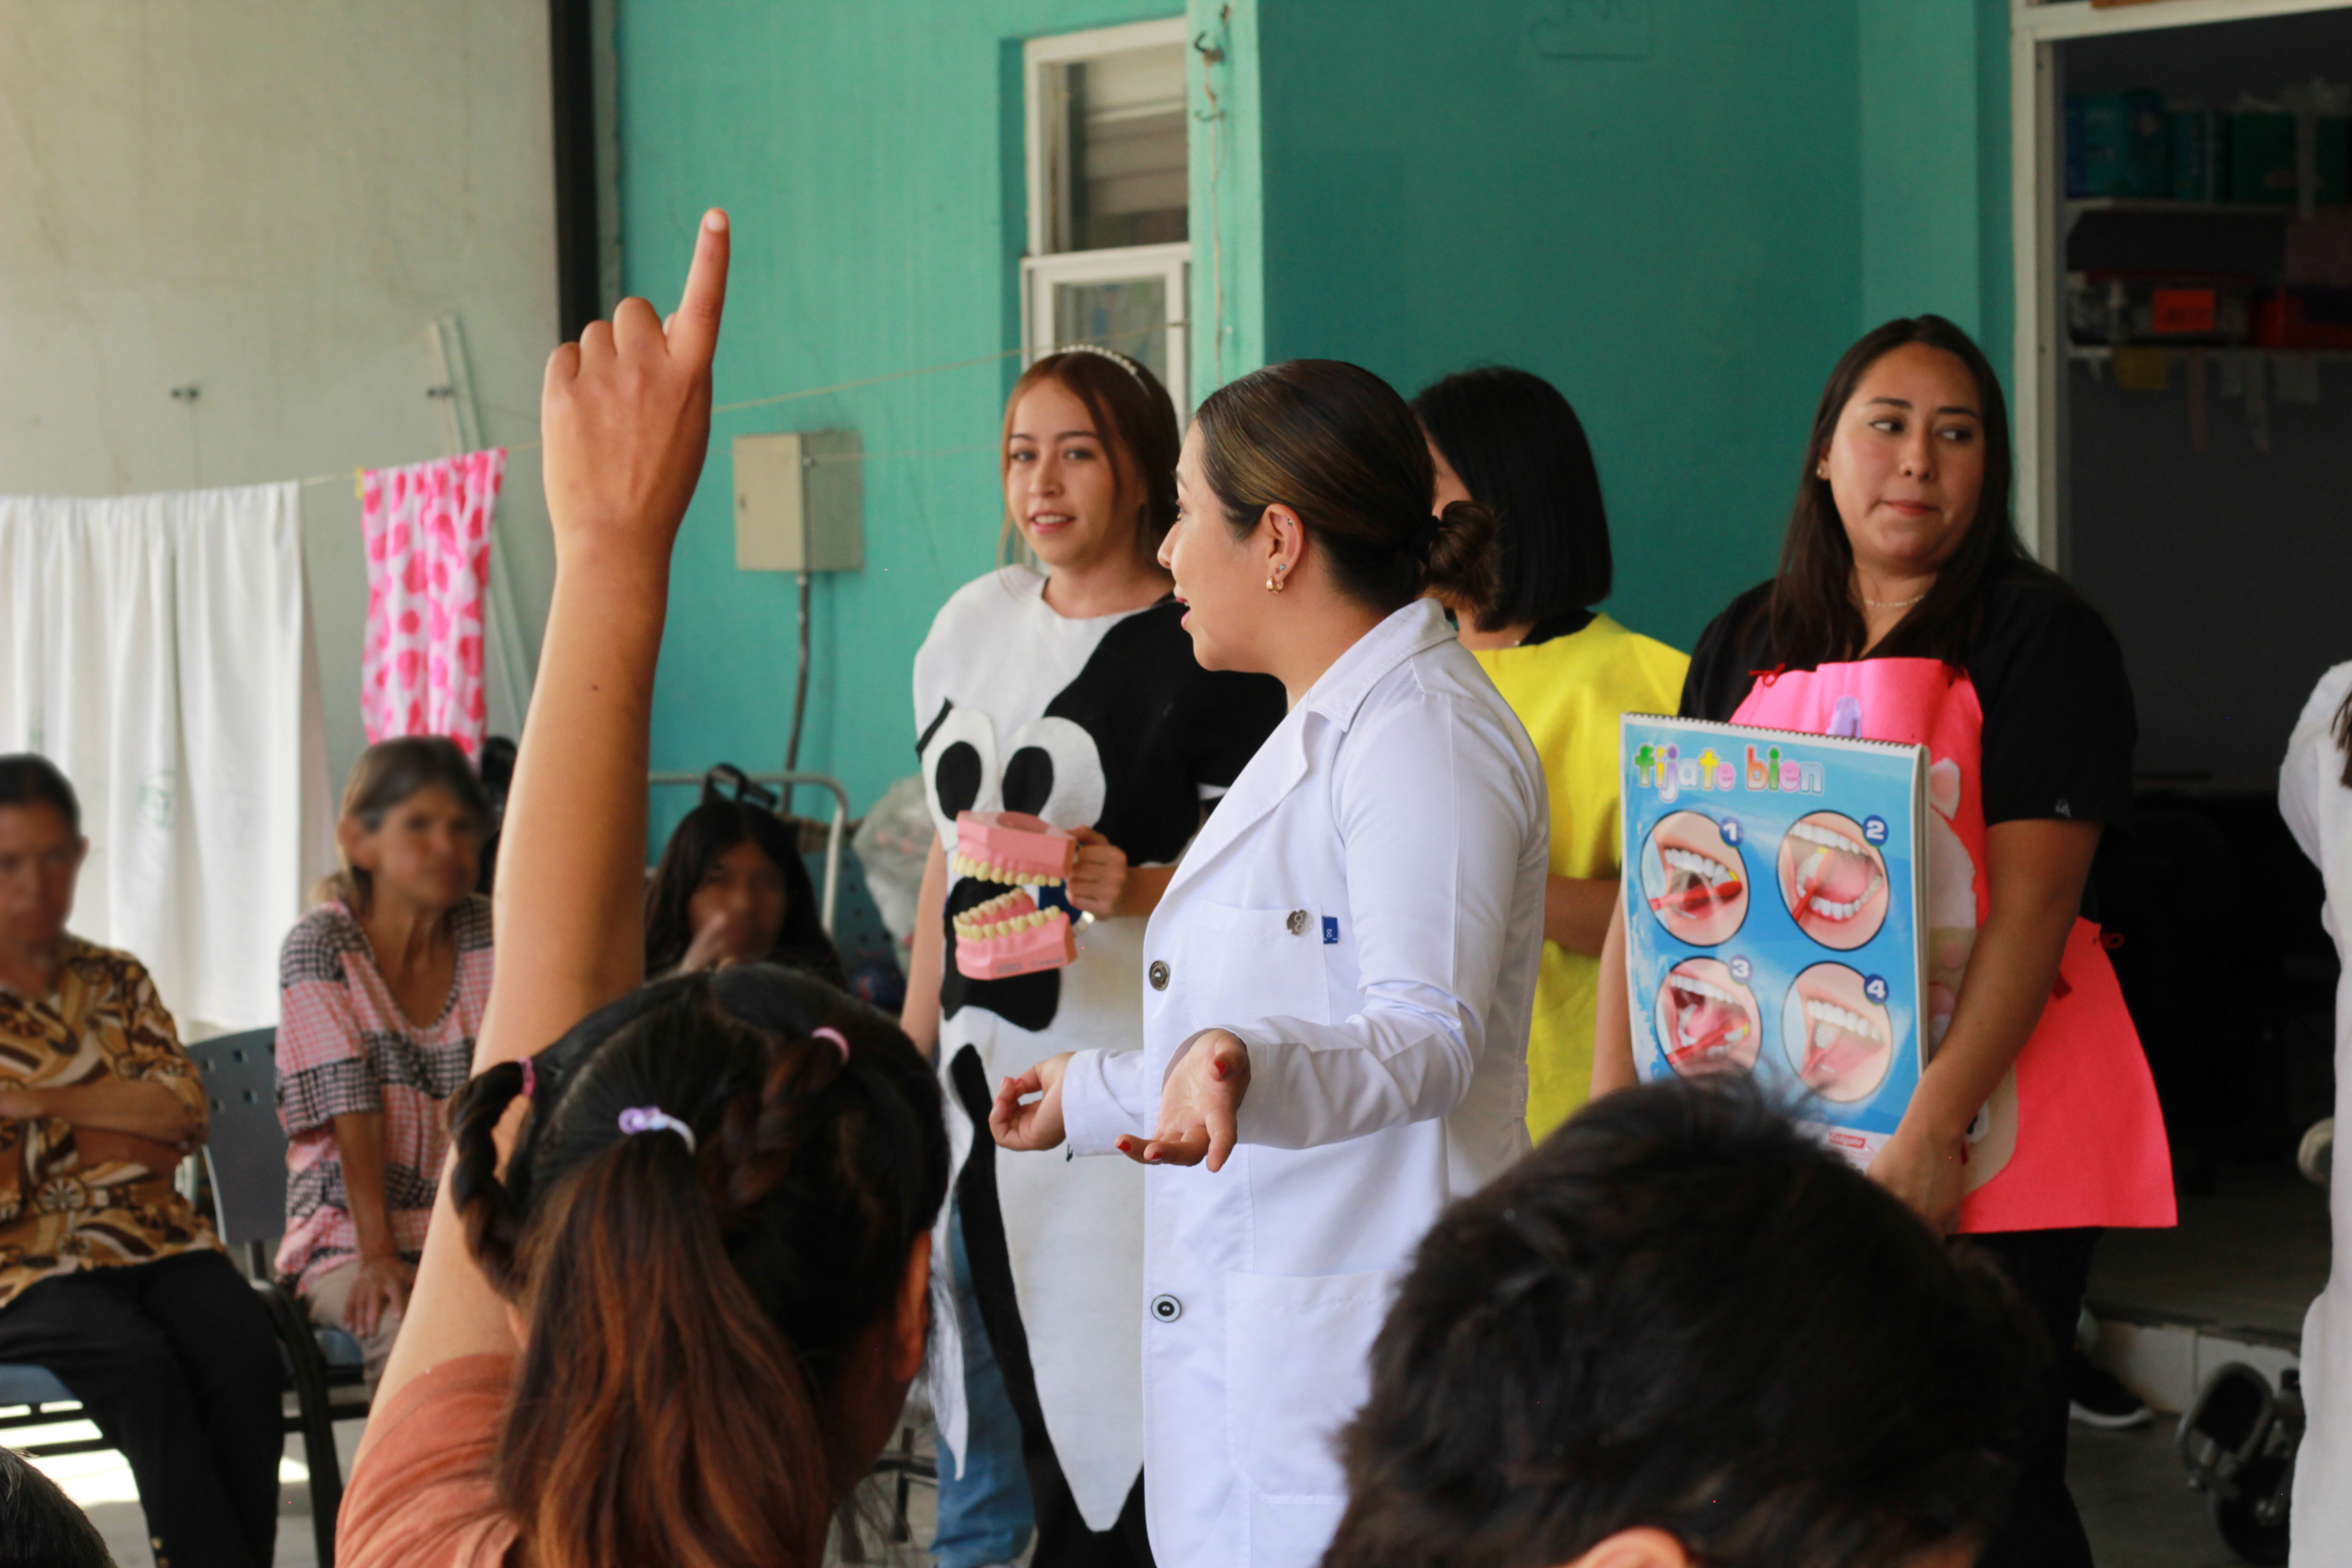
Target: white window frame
column 1046, row 147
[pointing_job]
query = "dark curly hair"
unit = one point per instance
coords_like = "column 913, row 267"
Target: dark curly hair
column 693, row 1310
column 1681, row 1313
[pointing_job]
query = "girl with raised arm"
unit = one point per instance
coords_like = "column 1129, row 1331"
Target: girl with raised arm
column 674, row 1290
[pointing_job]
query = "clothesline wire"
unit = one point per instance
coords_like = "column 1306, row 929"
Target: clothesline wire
column 847, row 386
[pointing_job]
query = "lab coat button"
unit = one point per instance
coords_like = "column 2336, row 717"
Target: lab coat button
column 1158, row 975
column 1167, row 1309
column 1296, row 923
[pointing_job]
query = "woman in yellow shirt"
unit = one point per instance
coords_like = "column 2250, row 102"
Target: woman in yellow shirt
column 1510, row 441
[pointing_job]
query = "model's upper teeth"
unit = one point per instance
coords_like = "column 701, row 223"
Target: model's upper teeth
column 1837, row 1017
column 981, row 870
column 1828, row 838
column 1695, row 987
column 1699, row 866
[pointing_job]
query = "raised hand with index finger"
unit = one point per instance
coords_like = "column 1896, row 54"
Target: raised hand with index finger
column 626, row 414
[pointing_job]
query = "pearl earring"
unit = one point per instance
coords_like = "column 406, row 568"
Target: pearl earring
column 1274, row 583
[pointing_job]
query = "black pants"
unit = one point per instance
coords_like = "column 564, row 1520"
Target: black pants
column 2051, row 1268
column 176, row 1362
column 1064, row 1538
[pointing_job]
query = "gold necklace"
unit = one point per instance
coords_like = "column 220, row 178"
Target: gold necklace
column 1893, row 603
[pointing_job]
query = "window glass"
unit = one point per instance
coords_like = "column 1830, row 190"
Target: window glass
column 1126, row 130
column 1130, row 314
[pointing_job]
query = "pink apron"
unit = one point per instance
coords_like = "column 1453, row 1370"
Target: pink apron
column 2073, row 1135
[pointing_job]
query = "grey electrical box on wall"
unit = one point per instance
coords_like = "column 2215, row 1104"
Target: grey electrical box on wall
column 799, row 499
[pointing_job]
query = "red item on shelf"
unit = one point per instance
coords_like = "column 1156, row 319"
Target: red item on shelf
column 2283, row 322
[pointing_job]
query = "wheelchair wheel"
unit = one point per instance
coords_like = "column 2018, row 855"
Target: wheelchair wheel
column 2235, row 1519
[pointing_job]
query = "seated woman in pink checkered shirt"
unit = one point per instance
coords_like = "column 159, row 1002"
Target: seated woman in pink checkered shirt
column 382, row 989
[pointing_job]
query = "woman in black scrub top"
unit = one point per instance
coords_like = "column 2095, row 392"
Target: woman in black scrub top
column 1904, row 610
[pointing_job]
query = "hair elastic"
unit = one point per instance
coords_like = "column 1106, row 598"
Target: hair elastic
column 653, row 1118
column 1113, row 355
column 530, row 1079
column 837, row 1037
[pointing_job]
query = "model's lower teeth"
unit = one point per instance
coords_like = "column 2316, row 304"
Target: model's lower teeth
column 1008, row 915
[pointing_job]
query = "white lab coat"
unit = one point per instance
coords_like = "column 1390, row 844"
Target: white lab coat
column 1365, row 911
column 2318, row 809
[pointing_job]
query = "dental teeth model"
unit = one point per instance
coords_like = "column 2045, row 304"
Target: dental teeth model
column 1012, row 847
column 1011, row 935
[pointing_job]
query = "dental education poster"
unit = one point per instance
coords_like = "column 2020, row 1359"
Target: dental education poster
column 1774, row 899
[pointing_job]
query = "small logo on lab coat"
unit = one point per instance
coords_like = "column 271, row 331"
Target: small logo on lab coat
column 1330, row 931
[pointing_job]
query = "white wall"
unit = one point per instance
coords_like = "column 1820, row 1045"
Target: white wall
column 269, row 200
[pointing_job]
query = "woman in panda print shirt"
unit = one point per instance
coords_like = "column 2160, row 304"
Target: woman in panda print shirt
column 1076, row 699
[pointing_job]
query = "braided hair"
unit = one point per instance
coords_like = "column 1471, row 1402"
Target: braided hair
column 700, row 1311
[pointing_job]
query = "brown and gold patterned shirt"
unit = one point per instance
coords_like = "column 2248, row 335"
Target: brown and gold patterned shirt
column 73, row 1197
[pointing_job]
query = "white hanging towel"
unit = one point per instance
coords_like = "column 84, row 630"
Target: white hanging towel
column 158, row 649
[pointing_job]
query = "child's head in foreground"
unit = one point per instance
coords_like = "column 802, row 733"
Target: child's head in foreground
column 1682, row 1333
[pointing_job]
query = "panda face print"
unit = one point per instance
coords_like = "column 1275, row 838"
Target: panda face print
column 1053, row 770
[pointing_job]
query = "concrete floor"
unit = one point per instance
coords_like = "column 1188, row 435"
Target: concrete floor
column 2135, row 1502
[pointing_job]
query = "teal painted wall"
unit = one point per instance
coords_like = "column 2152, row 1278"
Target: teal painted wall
column 870, row 156
column 1684, row 235
column 1672, row 238
column 1934, row 165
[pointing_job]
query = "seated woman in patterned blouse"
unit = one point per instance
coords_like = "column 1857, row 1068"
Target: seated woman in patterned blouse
column 108, row 1278
column 382, row 990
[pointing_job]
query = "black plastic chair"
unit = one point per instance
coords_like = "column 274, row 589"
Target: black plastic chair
column 245, row 1162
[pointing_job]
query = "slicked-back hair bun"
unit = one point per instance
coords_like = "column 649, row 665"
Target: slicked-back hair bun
column 1336, row 444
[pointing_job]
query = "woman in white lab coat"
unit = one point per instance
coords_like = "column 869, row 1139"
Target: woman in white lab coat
column 1338, row 979
column 2315, row 798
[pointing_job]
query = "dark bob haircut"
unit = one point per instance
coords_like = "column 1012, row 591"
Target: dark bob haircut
column 702, row 835
column 1680, row 1313
column 1521, row 451
column 29, row 779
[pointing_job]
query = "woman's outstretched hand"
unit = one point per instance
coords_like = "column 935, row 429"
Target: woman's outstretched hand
column 1026, row 1125
column 1199, row 1105
column 626, row 414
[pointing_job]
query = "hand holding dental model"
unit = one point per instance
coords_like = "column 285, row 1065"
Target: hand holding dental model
column 1012, row 934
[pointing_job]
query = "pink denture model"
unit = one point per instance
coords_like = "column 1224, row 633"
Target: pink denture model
column 1011, row 935
column 1014, row 848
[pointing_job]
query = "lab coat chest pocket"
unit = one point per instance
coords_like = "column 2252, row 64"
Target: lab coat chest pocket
column 1297, row 1353
column 1257, row 963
